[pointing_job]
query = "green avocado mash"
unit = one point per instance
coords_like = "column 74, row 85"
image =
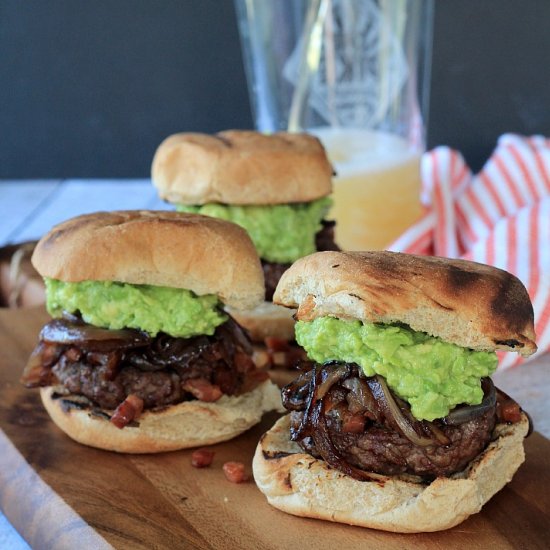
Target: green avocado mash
column 153, row 309
column 432, row 375
column 282, row 233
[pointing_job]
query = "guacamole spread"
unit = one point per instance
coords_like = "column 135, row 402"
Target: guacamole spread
column 432, row 375
column 282, row 233
column 153, row 309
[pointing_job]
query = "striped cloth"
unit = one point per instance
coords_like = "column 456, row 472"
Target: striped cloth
column 500, row 216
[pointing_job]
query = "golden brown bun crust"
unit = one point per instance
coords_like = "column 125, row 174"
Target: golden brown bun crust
column 187, row 424
column 198, row 253
column 241, row 167
column 466, row 303
column 266, row 320
column 302, row 485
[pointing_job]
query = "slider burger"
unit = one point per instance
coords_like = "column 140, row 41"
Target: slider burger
column 140, row 356
column 395, row 423
column 275, row 186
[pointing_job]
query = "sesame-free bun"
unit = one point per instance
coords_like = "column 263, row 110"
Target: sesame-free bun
column 187, row 424
column 198, row 253
column 299, row 484
column 241, row 167
column 266, row 320
column 465, row 303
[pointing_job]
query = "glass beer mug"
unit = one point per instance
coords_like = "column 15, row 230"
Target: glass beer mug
column 356, row 74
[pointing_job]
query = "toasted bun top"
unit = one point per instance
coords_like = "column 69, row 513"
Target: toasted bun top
column 465, row 303
column 241, row 167
column 198, row 253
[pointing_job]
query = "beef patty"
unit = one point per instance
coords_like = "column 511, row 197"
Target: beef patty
column 160, row 371
column 369, row 441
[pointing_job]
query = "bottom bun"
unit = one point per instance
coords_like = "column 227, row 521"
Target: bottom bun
column 187, row 424
column 266, row 320
column 299, row 484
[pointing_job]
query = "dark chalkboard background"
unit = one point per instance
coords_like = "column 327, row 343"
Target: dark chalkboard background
column 89, row 89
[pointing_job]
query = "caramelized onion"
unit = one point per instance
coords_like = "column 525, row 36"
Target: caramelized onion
column 166, row 351
column 329, row 377
column 438, row 433
column 295, row 394
column 354, row 423
column 61, row 331
column 359, row 397
column 37, row 371
column 508, row 410
column 326, row 448
column 236, row 334
column 459, row 415
column 314, row 423
column 392, row 411
column 72, row 317
column 203, row 390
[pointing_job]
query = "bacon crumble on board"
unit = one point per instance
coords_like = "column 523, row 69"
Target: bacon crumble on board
column 235, row 472
column 202, row 458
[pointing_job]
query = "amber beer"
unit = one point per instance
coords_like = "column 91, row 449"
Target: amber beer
column 377, row 187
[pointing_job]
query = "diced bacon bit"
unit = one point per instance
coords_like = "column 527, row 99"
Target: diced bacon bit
column 259, row 376
column 73, row 354
column 282, row 353
column 261, row 359
column 254, row 379
column 50, row 354
column 96, row 357
column 243, row 362
column 276, row 344
column 279, row 359
column 510, row 411
column 332, row 404
column 37, row 371
column 202, row 458
column 234, row 472
column 354, row 424
column 128, row 410
column 203, row 390
column 112, row 360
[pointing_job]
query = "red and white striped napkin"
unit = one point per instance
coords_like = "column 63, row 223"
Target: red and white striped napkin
column 500, row 216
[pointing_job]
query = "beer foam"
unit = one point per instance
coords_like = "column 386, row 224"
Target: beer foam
column 353, row 151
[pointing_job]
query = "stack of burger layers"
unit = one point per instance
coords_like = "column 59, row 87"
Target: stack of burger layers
column 277, row 187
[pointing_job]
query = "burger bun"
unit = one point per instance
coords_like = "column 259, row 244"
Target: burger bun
column 241, row 167
column 142, row 247
column 187, row 424
column 469, row 304
column 299, row 484
column 266, row 320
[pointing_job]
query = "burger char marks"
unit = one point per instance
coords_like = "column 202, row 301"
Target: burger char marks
column 161, row 372
column 511, row 306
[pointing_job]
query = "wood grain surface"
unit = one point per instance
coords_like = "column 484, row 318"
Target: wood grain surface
column 59, row 494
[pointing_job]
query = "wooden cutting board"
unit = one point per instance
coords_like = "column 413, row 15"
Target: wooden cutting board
column 59, row 494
